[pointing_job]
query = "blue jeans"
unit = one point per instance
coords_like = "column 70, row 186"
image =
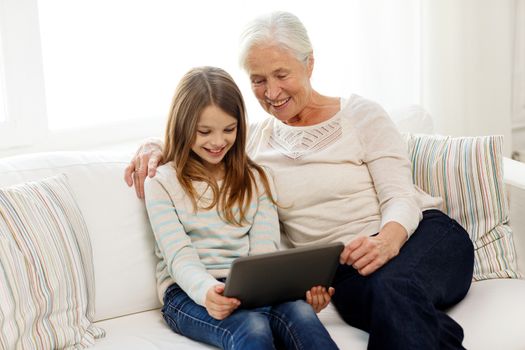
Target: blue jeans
column 402, row 304
column 293, row 324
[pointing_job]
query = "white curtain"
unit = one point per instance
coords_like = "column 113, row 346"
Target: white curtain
column 467, row 66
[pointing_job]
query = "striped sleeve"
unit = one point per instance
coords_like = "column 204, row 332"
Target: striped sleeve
column 181, row 258
column 264, row 234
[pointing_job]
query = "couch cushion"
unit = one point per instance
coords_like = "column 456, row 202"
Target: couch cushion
column 493, row 315
column 148, row 331
column 121, row 238
column 46, row 268
column 143, row 331
column 467, row 173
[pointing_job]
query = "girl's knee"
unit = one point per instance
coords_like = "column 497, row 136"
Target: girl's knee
column 299, row 309
column 256, row 324
column 251, row 331
column 254, row 329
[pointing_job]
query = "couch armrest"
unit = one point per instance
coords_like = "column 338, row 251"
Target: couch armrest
column 514, row 176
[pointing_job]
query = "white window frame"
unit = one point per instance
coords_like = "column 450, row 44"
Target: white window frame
column 22, row 75
column 21, row 69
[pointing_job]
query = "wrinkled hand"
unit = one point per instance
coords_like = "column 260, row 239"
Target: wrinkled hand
column 319, row 298
column 145, row 162
column 218, row 306
column 368, row 254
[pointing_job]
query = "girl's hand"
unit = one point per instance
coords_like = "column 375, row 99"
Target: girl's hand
column 145, row 162
column 368, row 254
column 218, row 306
column 319, row 297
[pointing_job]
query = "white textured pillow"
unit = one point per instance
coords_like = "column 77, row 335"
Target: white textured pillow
column 412, row 119
column 467, row 172
column 46, row 269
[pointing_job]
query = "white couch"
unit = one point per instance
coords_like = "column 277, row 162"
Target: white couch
column 127, row 307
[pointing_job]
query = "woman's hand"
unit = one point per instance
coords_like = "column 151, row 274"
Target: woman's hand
column 368, row 254
column 319, row 297
column 145, row 162
column 218, row 306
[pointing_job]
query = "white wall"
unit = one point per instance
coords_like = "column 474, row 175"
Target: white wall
column 467, row 66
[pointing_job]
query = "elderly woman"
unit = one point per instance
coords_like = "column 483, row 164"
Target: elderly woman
column 342, row 173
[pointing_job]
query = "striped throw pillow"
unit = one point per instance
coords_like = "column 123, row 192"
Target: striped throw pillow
column 467, row 172
column 46, row 269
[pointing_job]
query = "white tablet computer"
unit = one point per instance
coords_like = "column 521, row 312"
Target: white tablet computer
column 271, row 278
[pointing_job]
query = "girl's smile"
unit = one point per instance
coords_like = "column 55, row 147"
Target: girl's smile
column 215, row 136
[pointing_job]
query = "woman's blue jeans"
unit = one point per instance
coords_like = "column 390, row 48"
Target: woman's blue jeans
column 293, row 325
column 402, row 304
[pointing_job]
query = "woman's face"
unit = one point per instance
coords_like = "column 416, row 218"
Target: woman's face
column 280, row 82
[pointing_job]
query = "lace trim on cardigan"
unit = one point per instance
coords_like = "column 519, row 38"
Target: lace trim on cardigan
column 298, row 142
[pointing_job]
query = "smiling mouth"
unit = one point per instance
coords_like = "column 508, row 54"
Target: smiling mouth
column 279, row 103
column 215, row 152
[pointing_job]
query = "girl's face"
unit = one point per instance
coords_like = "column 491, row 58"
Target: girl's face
column 215, row 136
column 280, row 82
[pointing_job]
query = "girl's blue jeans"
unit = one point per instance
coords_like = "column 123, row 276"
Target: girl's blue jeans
column 292, row 325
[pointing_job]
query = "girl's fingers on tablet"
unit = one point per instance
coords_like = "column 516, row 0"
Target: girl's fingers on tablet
column 321, row 297
column 309, row 297
column 217, row 305
column 311, row 300
column 317, row 298
column 221, row 299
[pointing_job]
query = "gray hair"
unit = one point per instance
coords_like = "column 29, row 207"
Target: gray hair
column 279, row 28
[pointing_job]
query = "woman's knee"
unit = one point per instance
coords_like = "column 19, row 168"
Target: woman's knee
column 457, row 251
column 464, row 241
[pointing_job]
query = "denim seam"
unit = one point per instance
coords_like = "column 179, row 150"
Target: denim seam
column 290, row 331
column 170, row 321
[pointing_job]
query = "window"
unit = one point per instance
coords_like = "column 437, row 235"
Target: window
column 121, row 60
column 20, row 76
column 107, row 69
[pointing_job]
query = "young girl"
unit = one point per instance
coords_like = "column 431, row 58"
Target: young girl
column 208, row 205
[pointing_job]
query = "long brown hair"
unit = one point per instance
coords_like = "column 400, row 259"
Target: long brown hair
column 198, row 89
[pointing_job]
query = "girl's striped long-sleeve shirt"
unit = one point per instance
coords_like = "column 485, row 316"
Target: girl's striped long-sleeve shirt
column 197, row 247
